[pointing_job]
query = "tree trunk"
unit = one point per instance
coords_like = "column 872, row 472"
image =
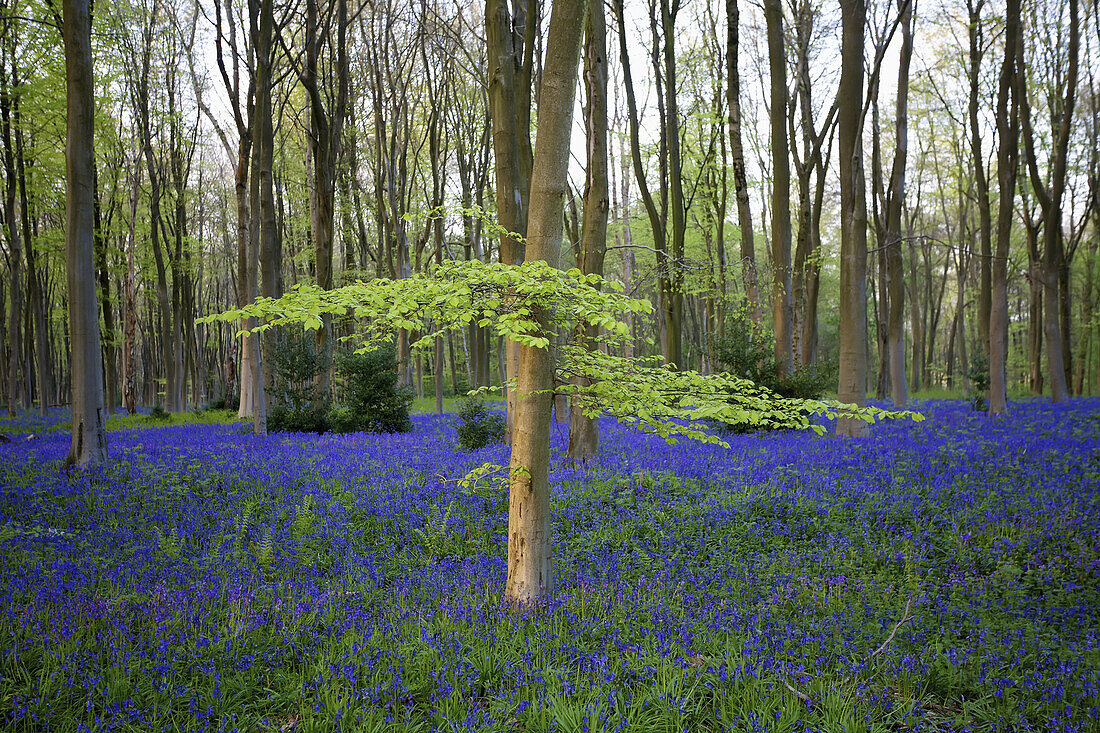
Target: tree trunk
column 981, row 182
column 262, row 215
column 781, row 191
column 895, row 199
column 853, row 211
column 503, row 108
column 530, row 567
column 16, row 378
column 584, row 432
column 89, row 432
column 1050, row 198
column 1007, row 159
column 737, row 160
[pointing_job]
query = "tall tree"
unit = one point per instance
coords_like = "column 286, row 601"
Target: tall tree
column 1050, row 197
column 1007, row 161
column 530, row 570
column 981, row 180
column 737, row 161
column 584, row 432
column 510, row 46
column 782, row 312
column 852, row 386
column 895, row 201
column 89, row 431
column 326, row 125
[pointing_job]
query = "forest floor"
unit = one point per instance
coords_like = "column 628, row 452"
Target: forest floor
column 937, row 576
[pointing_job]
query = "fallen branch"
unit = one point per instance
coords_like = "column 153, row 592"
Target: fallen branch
column 801, row 695
column 904, row 617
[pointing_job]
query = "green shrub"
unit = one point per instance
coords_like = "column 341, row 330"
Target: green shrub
column 479, row 425
column 306, row 419
column 296, row 403
column 978, row 374
column 159, row 414
column 296, row 363
column 372, row 401
column 748, row 352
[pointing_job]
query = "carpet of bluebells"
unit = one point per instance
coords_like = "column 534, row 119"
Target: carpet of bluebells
column 935, row 576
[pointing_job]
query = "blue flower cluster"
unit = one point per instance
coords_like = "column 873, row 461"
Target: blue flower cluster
column 942, row 575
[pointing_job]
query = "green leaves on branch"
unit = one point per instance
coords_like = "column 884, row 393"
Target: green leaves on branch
column 511, row 299
column 644, row 392
column 503, row 297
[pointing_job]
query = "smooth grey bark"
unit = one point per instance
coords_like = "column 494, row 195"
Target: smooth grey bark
column 89, row 431
column 509, row 93
column 584, row 431
column 326, row 132
column 981, row 180
column 1007, row 161
column 530, row 567
column 1050, row 199
column 16, row 377
column 737, row 161
column 895, row 200
column 782, row 309
column 853, row 212
column 262, row 215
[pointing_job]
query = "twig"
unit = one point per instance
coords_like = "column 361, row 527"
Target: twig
column 904, row 617
column 801, row 695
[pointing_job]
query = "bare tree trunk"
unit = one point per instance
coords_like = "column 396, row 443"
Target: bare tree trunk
column 656, row 220
column 89, row 441
column 262, row 215
column 674, row 296
column 16, row 378
column 326, row 131
column 1050, row 198
column 781, row 192
column 737, row 160
column 530, row 567
column 584, row 432
column 503, row 109
column 981, row 182
column 895, row 199
column 853, row 213
column 1007, row 159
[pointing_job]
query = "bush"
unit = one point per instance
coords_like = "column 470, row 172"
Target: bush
column 480, row 426
column 159, row 414
column 373, row 401
column 306, row 419
column 296, row 405
column 748, row 352
column 295, row 365
column 978, row 374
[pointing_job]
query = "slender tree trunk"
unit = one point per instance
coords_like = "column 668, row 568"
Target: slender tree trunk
column 1007, row 160
column 737, row 160
column 981, row 182
column 16, row 378
column 530, row 567
column 89, row 432
column 853, row 212
column 129, row 342
column 262, row 229
column 503, row 109
column 895, row 199
column 34, row 288
column 674, row 300
column 781, row 192
column 584, row 432
column 1050, row 198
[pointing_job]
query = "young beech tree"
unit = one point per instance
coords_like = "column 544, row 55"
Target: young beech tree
column 89, row 444
column 530, row 305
